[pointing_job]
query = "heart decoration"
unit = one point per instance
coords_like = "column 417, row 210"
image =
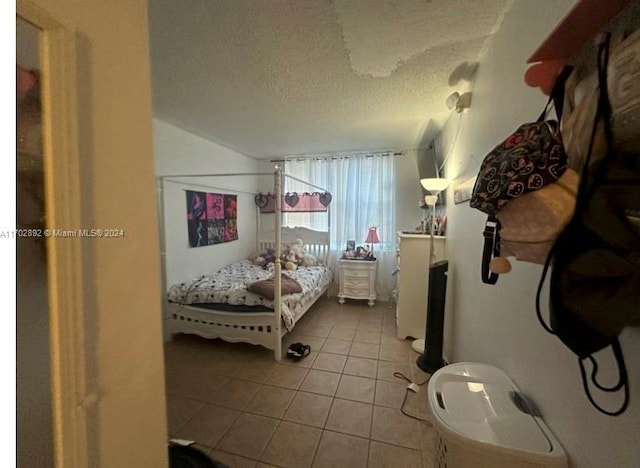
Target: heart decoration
column 325, row 199
column 261, row 200
column 291, row 199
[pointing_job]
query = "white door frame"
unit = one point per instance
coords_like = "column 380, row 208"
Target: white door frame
column 70, row 397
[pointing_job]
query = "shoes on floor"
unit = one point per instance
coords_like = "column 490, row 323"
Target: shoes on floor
column 298, row 351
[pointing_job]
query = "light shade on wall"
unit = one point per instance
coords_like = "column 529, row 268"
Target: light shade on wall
column 459, row 102
column 435, row 185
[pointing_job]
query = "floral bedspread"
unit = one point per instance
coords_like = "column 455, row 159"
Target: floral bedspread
column 229, row 285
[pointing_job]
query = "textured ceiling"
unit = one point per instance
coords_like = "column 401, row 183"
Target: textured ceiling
column 288, row 77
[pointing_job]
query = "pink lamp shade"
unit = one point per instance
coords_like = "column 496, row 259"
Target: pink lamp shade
column 372, row 235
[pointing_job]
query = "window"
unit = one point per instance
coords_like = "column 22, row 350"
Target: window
column 363, row 191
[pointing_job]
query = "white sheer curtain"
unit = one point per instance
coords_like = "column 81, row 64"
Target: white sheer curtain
column 363, row 191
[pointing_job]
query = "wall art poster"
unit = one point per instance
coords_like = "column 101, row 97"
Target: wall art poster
column 212, row 218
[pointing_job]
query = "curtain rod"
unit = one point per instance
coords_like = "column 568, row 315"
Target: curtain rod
column 231, row 174
column 173, row 178
column 338, row 155
column 219, row 187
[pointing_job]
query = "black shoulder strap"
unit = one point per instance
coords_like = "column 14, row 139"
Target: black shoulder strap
column 588, row 181
column 491, row 248
column 623, row 380
column 543, row 277
column 602, row 111
column 557, row 95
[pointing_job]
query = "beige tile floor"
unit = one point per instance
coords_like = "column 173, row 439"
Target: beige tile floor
column 338, row 407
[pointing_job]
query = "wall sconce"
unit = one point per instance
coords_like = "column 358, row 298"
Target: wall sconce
column 459, row 102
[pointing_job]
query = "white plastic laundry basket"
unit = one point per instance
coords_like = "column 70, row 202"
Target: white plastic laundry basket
column 482, row 421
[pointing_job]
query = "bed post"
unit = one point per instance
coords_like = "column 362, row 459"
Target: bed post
column 277, row 350
column 327, row 252
column 166, row 334
column 258, row 228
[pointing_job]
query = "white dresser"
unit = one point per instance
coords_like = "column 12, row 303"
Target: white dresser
column 413, row 282
column 357, row 280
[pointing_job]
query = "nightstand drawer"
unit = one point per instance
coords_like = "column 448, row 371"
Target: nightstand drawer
column 356, row 283
column 356, row 274
column 357, row 292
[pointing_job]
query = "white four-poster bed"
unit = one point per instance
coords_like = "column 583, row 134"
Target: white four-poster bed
column 256, row 325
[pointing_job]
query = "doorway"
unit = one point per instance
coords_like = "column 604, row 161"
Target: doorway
column 33, row 362
column 50, row 383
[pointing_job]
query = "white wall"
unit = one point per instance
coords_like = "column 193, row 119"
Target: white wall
column 181, row 152
column 498, row 324
column 408, row 191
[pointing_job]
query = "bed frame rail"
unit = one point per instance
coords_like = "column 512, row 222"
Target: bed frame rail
column 258, row 328
column 254, row 328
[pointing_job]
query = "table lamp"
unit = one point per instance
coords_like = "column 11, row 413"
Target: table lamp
column 372, row 237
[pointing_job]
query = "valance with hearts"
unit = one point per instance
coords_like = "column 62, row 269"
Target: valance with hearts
column 294, row 202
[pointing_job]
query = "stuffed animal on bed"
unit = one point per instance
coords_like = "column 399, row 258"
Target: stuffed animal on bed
column 303, row 258
column 265, row 258
column 291, row 261
column 292, row 255
column 297, row 250
column 259, row 260
column 309, row 260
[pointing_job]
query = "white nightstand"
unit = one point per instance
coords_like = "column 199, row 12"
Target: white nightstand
column 357, row 280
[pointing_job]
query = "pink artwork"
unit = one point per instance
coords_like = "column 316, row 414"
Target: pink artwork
column 211, row 218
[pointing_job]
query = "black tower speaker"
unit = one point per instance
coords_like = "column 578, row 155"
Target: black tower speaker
column 431, row 360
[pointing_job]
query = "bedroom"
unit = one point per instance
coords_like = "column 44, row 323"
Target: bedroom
column 483, row 327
